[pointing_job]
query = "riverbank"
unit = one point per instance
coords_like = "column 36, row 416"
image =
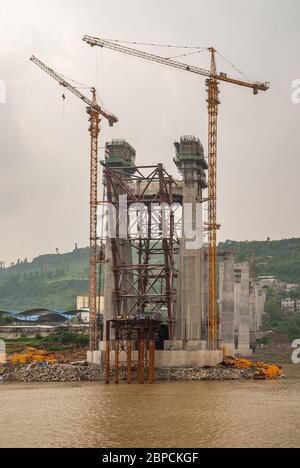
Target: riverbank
column 74, row 372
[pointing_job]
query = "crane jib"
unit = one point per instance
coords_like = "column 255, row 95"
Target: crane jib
column 112, row 119
column 94, row 41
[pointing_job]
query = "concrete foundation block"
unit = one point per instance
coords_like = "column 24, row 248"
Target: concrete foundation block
column 94, row 357
column 244, row 352
column 228, row 349
column 196, row 345
column 189, row 345
column 184, row 358
column 174, row 345
column 168, row 358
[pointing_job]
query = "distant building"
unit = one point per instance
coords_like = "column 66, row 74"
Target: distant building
column 85, row 316
column 291, row 287
column 268, row 281
column 83, row 306
column 36, row 317
column 290, row 304
column 83, row 303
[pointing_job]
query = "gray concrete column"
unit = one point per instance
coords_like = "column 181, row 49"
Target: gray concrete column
column 226, row 303
column 189, row 302
column 242, row 309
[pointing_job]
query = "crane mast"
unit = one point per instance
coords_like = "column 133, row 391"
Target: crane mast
column 212, row 83
column 94, row 111
column 94, row 133
column 213, row 104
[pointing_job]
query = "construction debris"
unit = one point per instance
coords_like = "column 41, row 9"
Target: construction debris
column 262, row 371
column 33, row 355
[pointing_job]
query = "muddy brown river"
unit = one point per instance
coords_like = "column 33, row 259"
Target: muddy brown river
column 175, row 415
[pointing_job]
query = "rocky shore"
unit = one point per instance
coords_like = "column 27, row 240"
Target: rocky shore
column 89, row 372
column 53, row 373
column 211, row 373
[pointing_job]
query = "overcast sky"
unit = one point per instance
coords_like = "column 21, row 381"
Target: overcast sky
column 45, row 147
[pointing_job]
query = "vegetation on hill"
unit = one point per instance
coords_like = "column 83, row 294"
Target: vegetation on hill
column 49, row 281
column 54, row 281
column 281, row 321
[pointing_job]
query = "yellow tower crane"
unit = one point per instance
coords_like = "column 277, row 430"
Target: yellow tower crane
column 94, row 111
column 212, row 83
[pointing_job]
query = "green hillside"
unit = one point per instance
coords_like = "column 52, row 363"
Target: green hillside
column 54, row 281
column 280, row 259
column 49, row 281
column 273, row 258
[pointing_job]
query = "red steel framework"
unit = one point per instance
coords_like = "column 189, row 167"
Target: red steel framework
column 131, row 335
column 144, row 277
column 144, row 286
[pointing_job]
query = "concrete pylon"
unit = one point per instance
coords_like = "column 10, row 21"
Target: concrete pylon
column 120, row 154
column 261, row 299
column 253, row 313
column 226, row 304
column 189, row 304
column 258, row 302
column 242, row 308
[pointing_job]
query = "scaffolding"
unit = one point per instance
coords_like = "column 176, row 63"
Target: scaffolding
column 145, row 285
column 133, row 350
column 143, row 258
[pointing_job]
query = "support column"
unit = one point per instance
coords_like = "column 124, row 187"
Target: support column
column 117, row 356
column 141, row 357
column 243, row 318
column 226, row 291
column 151, row 359
column 129, row 369
column 107, row 354
column 189, row 311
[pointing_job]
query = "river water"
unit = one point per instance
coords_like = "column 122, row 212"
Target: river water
column 175, row 415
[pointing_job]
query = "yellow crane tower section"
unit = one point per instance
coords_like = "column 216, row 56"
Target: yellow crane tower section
column 212, row 81
column 94, row 111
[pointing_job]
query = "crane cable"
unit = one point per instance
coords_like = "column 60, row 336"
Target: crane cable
column 81, row 85
column 247, row 77
column 198, row 50
column 186, row 55
column 157, row 45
